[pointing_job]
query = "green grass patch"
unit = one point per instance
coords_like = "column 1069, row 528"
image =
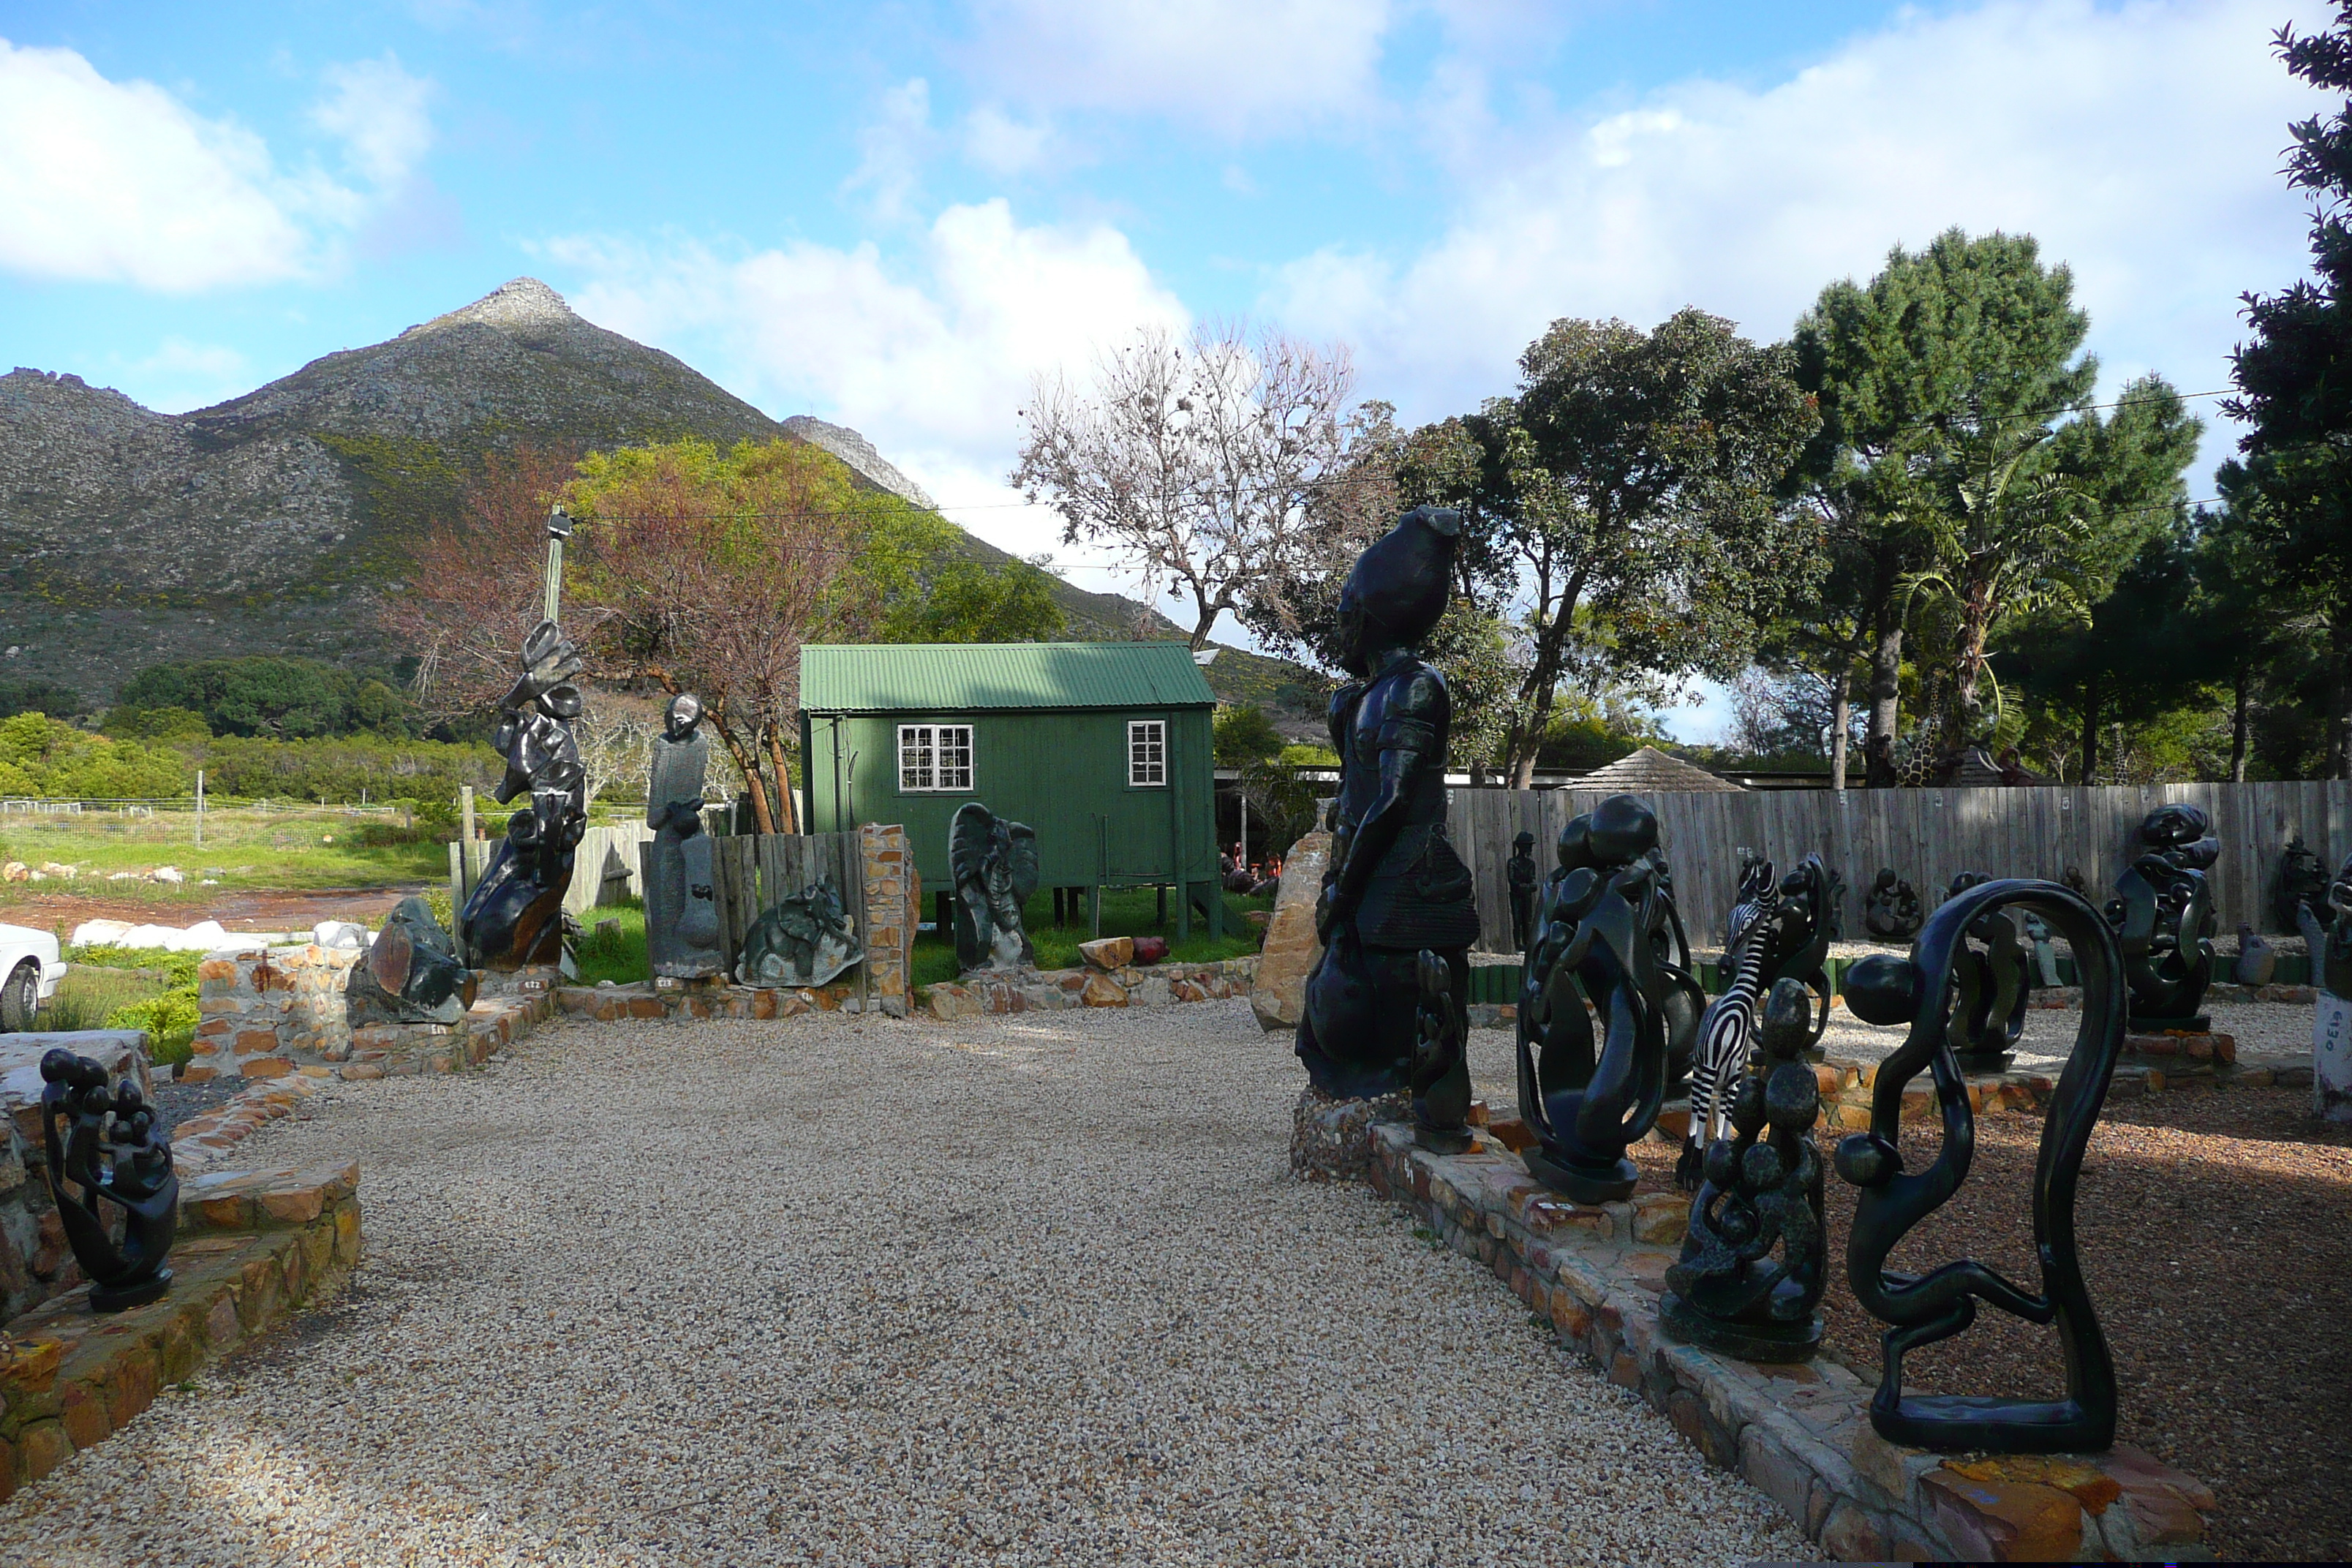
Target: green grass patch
column 613, row 945
column 1125, row 912
column 128, row 988
column 293, row 850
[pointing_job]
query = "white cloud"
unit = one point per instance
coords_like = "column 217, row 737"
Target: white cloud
column 2139, row 142
column 932, row 361
column 997, row 143
column 893, row 147
column 1235, row 67
column 381, row 114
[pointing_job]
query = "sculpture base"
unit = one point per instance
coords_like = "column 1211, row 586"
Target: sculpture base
column 691, row 969
column 1957, row 1423
column 108, row 1299
column 1984, row 1061
column 1775, row 1342
column 2187, row 1024
column 1443, row 1140
column 1598, row 1183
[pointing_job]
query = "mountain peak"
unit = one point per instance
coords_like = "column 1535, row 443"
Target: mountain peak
column 517, row 303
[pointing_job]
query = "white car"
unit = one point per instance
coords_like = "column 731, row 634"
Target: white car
column 29, row 960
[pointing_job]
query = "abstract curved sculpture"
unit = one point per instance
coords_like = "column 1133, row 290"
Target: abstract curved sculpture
column 1762, row 1190
column 1890, row 910
column 114, row 1150
column 1989, row 970
column 412, row 973
column 804, row 939
column 1922, row 990
column 2164, row 919
column 994, row 864
column 1394, row 889
column 1599, row 916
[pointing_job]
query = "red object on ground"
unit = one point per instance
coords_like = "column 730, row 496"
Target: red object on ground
column 1150, row 948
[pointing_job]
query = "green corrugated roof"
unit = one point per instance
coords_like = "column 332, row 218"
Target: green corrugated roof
column 878, row 677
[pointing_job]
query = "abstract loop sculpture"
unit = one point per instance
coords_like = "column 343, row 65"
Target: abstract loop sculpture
column 2164, row 918
column 1989, row 1018
column 1395, row 895
column 681, row 906
column 1890, row 911
column 1521, row 875
column 1922, row 990
column 1600, row 914
column 514, row 916
column 412, row 973
column 114, row 1150
column 1762, row 1190
column 994, row 864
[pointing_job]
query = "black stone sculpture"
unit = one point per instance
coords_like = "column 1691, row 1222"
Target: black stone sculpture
column 412, row 973
column 681, row 906
column 2164, row 920
column 1670, row 944
column 1922, row 990
column 1762, row 1190
column 994, row 864
column 514, row 916
column 2044, row 952
column 2331, row 952
column 1600, row 912
column 804, row 939
column 2257, row 960
column 1394, row 886
column 2301, row 888
column 1520, row 874
column 1891, row 911
column 114, row 1150
column 1439, row 1073
column 1989, row 968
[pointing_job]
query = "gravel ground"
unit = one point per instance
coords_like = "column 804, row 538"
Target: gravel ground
column 1010, row 1290
column 2262, row 1029
column 178, row 1100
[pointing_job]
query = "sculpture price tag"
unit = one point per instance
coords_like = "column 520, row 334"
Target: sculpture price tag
column 2331, row 1058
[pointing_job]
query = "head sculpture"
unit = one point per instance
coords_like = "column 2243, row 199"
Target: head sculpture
column 684, row 714
column 1398, row 589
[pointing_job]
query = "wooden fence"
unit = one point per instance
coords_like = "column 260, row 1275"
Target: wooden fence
column 753, row 872
column 1928, row 835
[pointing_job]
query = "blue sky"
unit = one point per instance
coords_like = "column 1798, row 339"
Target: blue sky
column 895, row 216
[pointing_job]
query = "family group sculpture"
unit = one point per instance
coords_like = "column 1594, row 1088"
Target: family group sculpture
column 108, row 1150
column 1890, row 910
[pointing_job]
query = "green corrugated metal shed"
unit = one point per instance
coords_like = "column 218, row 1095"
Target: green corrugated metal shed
column 887, row 678
column 1043, row 734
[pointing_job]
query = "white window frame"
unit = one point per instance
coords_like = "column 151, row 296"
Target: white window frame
column 928, row 755
column 1143, row 764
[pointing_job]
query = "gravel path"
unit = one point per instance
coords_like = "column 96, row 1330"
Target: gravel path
column 1009, row 1290
column 2262, row 1029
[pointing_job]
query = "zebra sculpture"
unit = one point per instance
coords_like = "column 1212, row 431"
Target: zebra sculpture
column 1779, row 929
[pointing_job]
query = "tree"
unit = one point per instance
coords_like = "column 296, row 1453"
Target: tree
column 1245, row 735
column 38, row 695
column 1212, row 467
column 2252, row 622
column 275, row 697
column 916, row 564
column 2292, row 484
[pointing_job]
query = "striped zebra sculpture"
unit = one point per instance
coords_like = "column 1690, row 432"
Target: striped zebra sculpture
column 1779, row 929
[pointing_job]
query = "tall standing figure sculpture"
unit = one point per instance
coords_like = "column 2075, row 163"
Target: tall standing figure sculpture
column 1600, row 914
column 1520, row 876
column 994, row 863
column 1394, row 889
column 514, row 916
column 114, row 1150
column 2164, row 919
column 1922, row 992
column 681, row 911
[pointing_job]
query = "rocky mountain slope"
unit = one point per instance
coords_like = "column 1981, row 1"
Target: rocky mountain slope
column 265, row 525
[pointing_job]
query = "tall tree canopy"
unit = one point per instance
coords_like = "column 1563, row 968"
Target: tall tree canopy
column 2292, row 484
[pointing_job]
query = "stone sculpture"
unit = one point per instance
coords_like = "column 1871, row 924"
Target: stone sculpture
column 514, row 916
column 2331, row 955
column 804, row 940
column 1521, row 875
column 1395, row 895
column 1779, row 929
column 1923, row 1308
column 681, row 909
column 2038, row 943
column 114, row 1150
column 1989, row 968
column 994, row 864
column 1762, row 1190
column 1439, row 1056
column 1890, row 911
column 2302, row 888
column 412, row 973
column 2164, row 920
column 1600, row 911
column 2257, row 959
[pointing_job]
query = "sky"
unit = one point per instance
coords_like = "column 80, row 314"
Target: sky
column 896, row 216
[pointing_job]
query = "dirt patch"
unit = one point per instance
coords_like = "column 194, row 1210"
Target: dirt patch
column 246, row 910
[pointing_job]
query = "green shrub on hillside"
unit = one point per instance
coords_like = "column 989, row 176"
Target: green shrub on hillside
column 269, row 696
column 47, row 757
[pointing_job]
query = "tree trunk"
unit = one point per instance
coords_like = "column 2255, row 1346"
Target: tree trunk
column 1886, row 680
column 1840, row 717
column 788, row 819
column 2090, row 729
column 748, row 760
column 2238, row 725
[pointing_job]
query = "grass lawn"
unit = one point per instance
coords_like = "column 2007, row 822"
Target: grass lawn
column 1125, row 912
column 127, row 988
column 242, row 849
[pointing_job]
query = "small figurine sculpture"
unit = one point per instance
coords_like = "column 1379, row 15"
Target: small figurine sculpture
column 1519, row 873
column 994, row 864
column 1778, row 930
column 805, row 940
column 412, row 973
column 2257, row 959
column 2038, row 943
column 2164, row 919
column 1438, row 1061
column 1727, row 1292
column 2072, row 878
column 1600, row 914
column 115, row 1151
column 2302, row 886
column 681, row 910
column 1989, row 1017
column 1891, row 911
column 514, row 916
column 1925, row 1307
column 1394, row 885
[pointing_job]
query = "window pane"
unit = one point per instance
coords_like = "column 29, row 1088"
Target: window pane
column 955, row 756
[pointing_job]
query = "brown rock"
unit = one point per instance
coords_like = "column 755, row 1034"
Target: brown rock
column 2004, row 1522
column 216, row 969
column 42, row 1447
column 1291, row 948
column 85, row 1416
column 265, row 1066
column 192, row 1073
column 362, row 1070
column 2091, row 1486
column 295, row 1205
column 30, row 1368
column 1102, row 990
column 1109, row 951
column 136, row 1377
column 1661, row 1218
column 255, row 1042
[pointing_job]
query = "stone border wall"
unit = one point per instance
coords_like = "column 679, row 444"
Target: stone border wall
column 1056, row 990
column 252, row 1250
column 269, row 1012
column 1799, row 1433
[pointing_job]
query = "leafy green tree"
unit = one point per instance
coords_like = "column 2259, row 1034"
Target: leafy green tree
column 1245, row 735
column 39, row 696
column 179, row 727
column 2292, row 484
column 282, row 697
column 47, row 757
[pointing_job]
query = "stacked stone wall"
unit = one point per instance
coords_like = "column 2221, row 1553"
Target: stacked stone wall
column 268, row 1013
column 894, row 899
